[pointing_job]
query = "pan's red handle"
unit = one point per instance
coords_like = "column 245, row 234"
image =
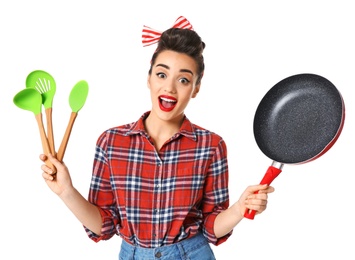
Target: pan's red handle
column 271, row 173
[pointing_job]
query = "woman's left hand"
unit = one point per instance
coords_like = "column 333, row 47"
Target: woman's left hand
column 255, row 198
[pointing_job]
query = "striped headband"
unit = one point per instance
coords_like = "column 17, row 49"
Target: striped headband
column 151, row 36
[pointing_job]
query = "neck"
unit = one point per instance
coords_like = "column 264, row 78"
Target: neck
column 156, row 126
column 161, row 130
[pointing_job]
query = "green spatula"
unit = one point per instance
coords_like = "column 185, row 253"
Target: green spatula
column 44, row 83
column 31, row 100
column 77, row 100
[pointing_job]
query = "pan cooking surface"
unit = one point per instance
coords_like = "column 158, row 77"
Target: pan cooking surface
column 298, row 118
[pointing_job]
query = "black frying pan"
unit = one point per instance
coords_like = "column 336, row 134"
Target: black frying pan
column 297, row 121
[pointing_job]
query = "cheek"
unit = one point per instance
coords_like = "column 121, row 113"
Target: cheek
column 186, row 98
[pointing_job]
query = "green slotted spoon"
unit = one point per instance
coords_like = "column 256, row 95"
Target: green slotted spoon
column 31, row 100
column 45, row 84
column 77, row 100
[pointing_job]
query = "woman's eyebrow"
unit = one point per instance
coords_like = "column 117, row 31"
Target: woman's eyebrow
column 186, row 70
column 163, row 65
column 167, row 67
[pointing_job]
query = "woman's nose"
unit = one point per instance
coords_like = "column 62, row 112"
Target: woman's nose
column 170, row 87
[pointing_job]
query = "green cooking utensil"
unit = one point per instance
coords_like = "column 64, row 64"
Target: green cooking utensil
column 45, row 84
column 77, row 100
column 31, row 100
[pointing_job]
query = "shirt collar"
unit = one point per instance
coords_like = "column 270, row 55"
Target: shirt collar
column 187, row 128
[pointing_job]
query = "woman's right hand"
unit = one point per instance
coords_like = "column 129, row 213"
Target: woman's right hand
column 61, row 180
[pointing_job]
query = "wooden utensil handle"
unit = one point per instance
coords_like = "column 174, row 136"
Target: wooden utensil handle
column 44, row 140
column 50, row 130
column 66, row 136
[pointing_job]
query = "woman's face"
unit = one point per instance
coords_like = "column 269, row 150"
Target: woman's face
column 172, row 84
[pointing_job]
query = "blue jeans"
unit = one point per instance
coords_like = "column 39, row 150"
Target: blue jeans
column 195, row 248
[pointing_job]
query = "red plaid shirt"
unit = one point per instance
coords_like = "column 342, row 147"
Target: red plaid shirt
column 153, row 198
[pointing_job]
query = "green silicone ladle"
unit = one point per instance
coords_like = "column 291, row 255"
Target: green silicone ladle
column 31, row 100
column 77, row 99
column 45, row 84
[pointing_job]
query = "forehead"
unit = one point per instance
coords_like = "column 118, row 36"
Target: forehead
column 176, row 60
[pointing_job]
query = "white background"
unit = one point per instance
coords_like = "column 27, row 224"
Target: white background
column 250, row 46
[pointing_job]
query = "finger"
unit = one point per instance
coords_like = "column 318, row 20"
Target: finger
column 257, row 188
column 259, row 196
column 257, row 207
column 46, row 169
column 42, row 157
column 256, row 201
column 269, row 189
column 55, row 161
column 52, row 158
column 47, row 177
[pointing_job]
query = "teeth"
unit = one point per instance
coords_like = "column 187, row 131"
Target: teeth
column 168, row 100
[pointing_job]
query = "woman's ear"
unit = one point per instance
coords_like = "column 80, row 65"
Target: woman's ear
column 148, row 84
column 196, row 90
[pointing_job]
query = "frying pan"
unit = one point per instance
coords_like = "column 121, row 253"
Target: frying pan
column 297, row 121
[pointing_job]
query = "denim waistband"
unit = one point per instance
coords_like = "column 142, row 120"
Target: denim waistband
column 173, row 251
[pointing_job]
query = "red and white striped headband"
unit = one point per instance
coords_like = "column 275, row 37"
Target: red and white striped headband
column 151, row 36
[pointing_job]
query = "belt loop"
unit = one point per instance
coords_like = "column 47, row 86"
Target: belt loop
column 134, row 251
column 182, row 251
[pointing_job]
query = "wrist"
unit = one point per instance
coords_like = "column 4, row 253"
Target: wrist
column 237, row 210
column 68, row 193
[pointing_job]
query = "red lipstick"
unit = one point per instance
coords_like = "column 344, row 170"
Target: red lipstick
column 167, row 103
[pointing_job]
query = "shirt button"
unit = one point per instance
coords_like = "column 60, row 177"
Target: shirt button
column 158, row 255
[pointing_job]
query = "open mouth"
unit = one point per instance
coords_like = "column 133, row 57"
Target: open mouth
column 167, row 103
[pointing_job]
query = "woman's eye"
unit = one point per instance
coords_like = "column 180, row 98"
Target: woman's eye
column 184, row 81
column 161, row 75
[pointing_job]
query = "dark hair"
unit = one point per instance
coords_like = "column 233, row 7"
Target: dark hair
column 184, row 41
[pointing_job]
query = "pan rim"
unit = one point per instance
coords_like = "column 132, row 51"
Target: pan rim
column 276, row 150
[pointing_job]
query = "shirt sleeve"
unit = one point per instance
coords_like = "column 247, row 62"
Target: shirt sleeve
column 100, row 193
column 216, row 197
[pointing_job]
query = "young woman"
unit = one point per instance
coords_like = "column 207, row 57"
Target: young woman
column 161, row 183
